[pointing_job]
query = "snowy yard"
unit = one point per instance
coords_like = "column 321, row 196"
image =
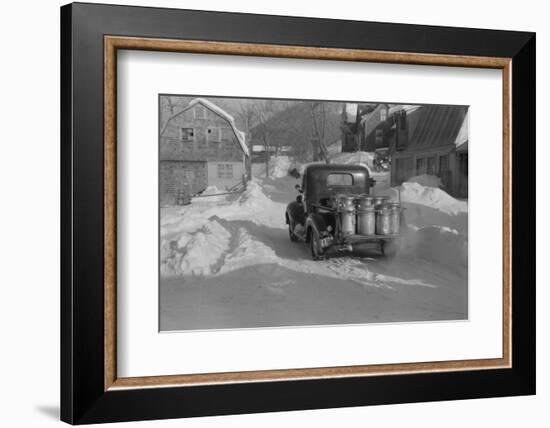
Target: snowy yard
column 227, row 262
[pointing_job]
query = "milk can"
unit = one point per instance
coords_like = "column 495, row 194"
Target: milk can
column 346, row 206
column 383, row 219
column 379, row 200
column 395, row 217
column 365, row 216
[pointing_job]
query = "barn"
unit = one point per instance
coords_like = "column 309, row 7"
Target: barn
column 200, row 146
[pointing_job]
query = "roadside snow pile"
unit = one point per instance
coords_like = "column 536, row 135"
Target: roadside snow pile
column 211, row 190
column 255, row 206
column 204, row 249
column 353, row 158
column 426, row 180
column 193, row 239
column 200, row 253
column 432, row 197
column 279, row 166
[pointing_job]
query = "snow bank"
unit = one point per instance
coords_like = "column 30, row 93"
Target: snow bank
column 279, row 166
column 353, row 158
column 212, row 190
column 193, row 240
column 432, row 197
column 199, row 253
column 205, row 249
column 427, row 206
column 255, row 206
column 426, row 180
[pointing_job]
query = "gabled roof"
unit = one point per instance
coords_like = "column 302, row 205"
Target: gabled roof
column 241, row 137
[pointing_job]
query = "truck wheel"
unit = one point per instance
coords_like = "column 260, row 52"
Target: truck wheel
column 291, row 233
column 388, row 248
column 317, row 252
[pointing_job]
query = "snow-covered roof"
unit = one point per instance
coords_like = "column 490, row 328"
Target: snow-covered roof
column 409, row 108
column 461, row 141
column 241, row 136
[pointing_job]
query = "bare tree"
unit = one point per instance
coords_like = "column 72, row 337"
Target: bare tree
column 247, row 113
column 170, row 105
column 262, row 113
column 318, row 123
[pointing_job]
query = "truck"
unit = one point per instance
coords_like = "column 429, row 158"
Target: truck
column 335, row 212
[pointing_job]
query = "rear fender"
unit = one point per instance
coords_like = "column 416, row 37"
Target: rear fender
column 294, row 213
column 317, row 222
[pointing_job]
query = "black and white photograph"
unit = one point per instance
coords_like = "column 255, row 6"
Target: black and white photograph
column 237, row 214
column 292, row 212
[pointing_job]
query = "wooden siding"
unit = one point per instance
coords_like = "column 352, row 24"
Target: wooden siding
column 225, row 183
column 181, row 176
column 454, row 176
column 219, row 145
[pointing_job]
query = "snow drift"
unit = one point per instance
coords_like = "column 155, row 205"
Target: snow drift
column 426, row 180
column 353, row 158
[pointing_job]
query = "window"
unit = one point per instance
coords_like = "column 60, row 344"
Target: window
column 443, row 164
column 339, row 180
column 213, row 134
column 430, row 165
column 200, row 112
column 383, row 115
column 444, row 171
column 225, row 170
column 187, row 134
column 420, row 166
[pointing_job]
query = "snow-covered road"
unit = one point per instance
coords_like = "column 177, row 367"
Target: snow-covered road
column 227, row 262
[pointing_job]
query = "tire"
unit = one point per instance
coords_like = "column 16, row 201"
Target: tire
column 291, row 234
column 317, row 252
column 388, row 249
